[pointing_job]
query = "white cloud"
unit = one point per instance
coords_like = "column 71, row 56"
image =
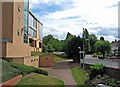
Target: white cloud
column 95, row 13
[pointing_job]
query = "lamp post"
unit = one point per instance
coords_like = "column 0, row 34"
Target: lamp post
column 83, row 49
column 80, row 54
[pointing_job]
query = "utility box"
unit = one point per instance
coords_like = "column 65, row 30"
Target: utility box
column 46, row 60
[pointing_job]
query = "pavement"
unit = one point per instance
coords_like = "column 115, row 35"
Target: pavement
column 107, row 62
column 62, row 71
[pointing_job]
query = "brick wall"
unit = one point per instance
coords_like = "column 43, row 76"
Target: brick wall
column 46, row 60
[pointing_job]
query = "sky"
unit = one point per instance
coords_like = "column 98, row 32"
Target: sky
column 99, row 17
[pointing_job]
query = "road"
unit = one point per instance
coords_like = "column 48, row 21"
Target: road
column 107, row 62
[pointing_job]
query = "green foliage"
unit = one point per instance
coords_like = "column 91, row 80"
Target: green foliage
column 112, row 82
column 33, row 53
column 102, row 38
column 86, row 41
column 93, row 39
column 59, row 57
column 72, row 50
column 51, row 44
column 28, row 69
column 103, row 47
column 8, row 72
column 66, row 41
column 97, row 69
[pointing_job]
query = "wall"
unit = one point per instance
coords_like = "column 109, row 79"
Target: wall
column 15, row 48
column 113, row 72
column 46, row 60
column 32, row 61
column 7, row 20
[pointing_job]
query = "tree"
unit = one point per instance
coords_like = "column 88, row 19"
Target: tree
column 51, row 44
column 103, row 47
column 86, row 40
column 65, row 42
column 93, row 40
column 102, row 38
column 73, row 51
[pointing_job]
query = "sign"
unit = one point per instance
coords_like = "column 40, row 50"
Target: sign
column 81, row 52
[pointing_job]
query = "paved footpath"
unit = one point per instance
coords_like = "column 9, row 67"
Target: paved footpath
column 62, row 71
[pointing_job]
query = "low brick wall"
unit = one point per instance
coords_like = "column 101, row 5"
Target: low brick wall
column 46, row 60
column 32, row 61
column 12, row 81
column 112, row 72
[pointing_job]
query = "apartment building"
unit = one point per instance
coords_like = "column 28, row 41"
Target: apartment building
column 20, row 30
column 115, row 46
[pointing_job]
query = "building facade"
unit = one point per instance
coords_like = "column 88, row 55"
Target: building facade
column 115, row 47
column 20, row 30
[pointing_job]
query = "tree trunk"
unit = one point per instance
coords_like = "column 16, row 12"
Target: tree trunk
column 103, row 55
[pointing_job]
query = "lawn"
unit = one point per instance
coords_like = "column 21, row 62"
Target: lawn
column 33, row 53
column 38, row 79
column 58, row 58
column 8, row 72
column 79, row 75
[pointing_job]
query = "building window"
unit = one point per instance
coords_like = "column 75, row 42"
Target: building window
column 40, row 45
column 18, row 20
column 18, row 32
column 32, row 32
column 26, row 21
column 34, row 23
column 19, row 9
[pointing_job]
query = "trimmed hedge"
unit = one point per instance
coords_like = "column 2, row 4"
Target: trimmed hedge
column 28, row 69
column 8, row 72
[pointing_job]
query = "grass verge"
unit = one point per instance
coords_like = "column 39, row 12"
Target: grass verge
column 38, row 80
column 79, row 75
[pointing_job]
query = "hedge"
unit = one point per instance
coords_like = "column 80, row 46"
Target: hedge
column 28, row 69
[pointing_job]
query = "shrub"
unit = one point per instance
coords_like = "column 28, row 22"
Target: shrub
column 95, row 55
column 41, row 71
column 100, row 57
column 96, row 69
column 28, row 69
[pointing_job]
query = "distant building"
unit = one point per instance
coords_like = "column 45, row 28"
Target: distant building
column 20, row 30
column 115, row 46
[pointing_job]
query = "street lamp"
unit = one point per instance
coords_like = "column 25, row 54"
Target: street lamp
column 80, row 54
column 83, row 49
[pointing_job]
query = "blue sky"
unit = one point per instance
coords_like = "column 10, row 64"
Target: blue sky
column 100, row 17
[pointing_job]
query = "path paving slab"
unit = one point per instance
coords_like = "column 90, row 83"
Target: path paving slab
column 62, row 71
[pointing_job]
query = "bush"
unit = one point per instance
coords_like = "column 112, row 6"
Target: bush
column 95, row 55
column 41, row 71
column 100, row 57
column 96, row 69
column 28, row 69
